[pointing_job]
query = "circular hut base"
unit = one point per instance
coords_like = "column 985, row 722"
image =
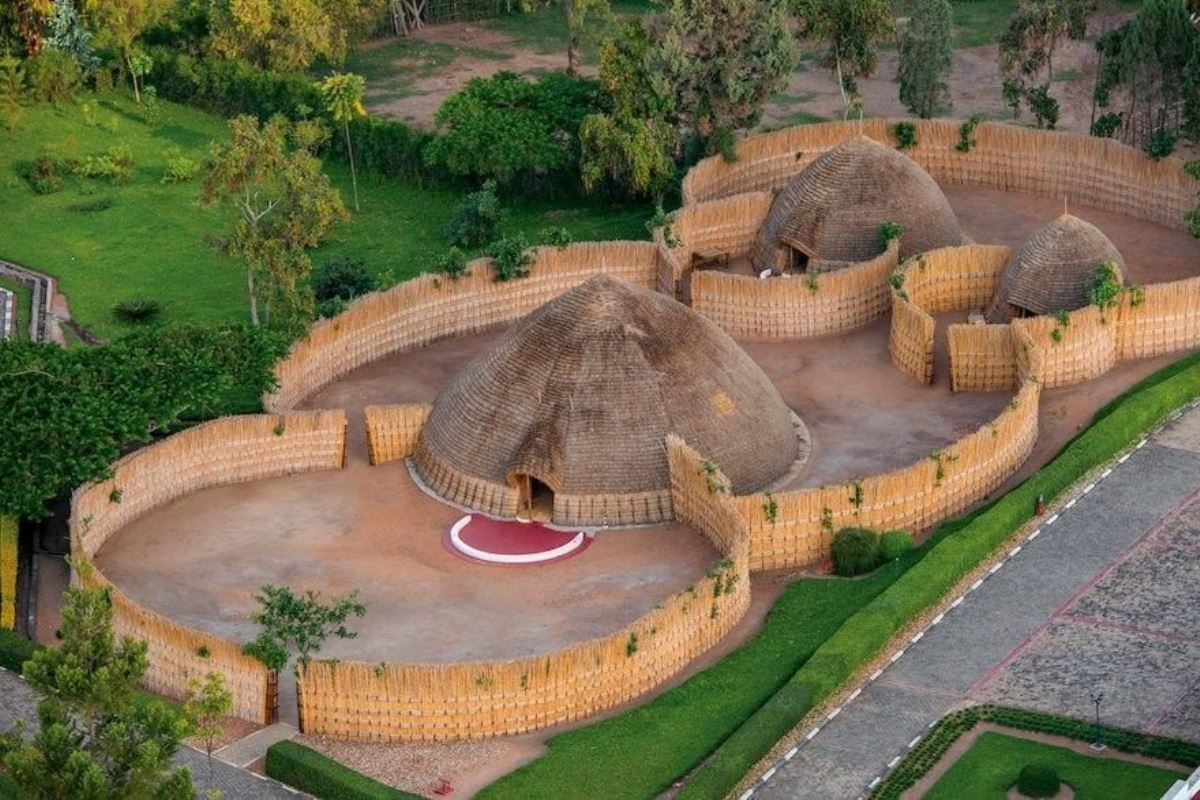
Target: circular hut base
column 512, row 542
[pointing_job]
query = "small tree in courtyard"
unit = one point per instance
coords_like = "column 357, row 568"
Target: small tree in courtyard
column 208, row 703
column 94, row 738
column 342, row 93
column 299, row 624
column 925, row 59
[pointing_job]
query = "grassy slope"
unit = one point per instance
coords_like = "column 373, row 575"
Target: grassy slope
column 992, row 764
column 151, row 242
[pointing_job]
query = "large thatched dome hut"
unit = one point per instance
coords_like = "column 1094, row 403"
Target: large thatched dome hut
column 828, row 216
column 570, row 410
column 1054, row 270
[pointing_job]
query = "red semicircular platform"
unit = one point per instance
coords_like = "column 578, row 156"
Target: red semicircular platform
column 512, row 542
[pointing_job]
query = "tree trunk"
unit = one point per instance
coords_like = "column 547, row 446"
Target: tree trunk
column 572, row 40
column 837, row 63
column 253, row 296
column 134, row 78
column 350, row 152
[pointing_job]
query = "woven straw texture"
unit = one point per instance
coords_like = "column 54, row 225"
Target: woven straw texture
column 724, row 226
column 433, row 307
column 1054, row 270
column 796, row 307
column 1101, row 173
column 407, row 702
column 580, row 395
column 224, row 451
column 833, row 208
column 982, row 358
column 1166, row 320
column 392, row 431
column 910, row 338
column 8, row 572
column 1086, row 346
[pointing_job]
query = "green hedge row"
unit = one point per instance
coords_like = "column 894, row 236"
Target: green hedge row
column 865, row 634
column 15, row 650
column 307, row 770
column 933, row 747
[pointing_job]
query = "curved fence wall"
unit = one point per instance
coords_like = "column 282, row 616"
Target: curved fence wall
column 407, row 702
column 726, row 226
column 1078, row 347
column 432, row 307
column 224, row 451
column 1165, row 320
column 392, row 431
column 982, row 358
column 1101, row 173
column 800, row 306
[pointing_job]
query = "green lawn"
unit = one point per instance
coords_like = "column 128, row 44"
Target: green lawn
column 991, row 765
column 106, row 243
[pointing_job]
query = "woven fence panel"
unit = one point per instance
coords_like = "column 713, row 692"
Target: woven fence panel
column 727, row 226
column 8, row 572
column 954, row 278
column 392, row 431
column 1101, row 173
column 982, row 358
column 910, row 340
column 410, row 702
column 1166, row 320
column 458, row 487
column 796, row 307
column 912, row 498
column 1083, row 348
column 433, row 307
column 225, row 451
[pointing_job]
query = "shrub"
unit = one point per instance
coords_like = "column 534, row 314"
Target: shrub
column 44, row 174
column 15, row 650
column 330, row 307
column 889, row 230
column 54, row 76
column 906, row 135
column 966, row 134
column 1161, row 144
column 855, row 551
column 115, row 165
column 342, row 278
column 556, row 237
column 180, row 168
column 305, row 769
column 510, row 258
column 453, row 263
column 138, row 311
column 1043, row 106
column 894, row 544
column 476, row 219
column 1038, row 780
column 1106, row 125
column 93, row 206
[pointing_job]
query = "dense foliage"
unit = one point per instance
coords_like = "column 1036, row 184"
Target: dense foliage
column 1038, row 780
column 75, row 411
column 925, row 59
column 476, row 219
column 850, row 31
column 855, row 551
column 289, row 35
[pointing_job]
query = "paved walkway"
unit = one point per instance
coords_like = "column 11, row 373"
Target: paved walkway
column 18, row 702
column 1105, row 598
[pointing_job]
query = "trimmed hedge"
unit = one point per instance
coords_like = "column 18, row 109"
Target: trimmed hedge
column 855, row 551
column 1038, row 780
column 865, row 634
column 305, row 769
column 15, row 650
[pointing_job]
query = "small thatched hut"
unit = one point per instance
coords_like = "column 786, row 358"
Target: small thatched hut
column 1054, row 270
column 829, row 214
column 570, row 410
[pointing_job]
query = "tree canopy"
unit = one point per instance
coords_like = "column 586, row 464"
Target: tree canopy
column 850, row 31
column 289, row 35
column 925, row 58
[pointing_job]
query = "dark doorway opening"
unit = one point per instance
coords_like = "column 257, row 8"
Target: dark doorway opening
column 537, row 498
column 799, row 261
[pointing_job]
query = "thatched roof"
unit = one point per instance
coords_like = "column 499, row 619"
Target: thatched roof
column 1054, row 270
column 581, row 393
column 833, row 208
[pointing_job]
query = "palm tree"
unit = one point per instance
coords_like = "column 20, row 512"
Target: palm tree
column 342, row 93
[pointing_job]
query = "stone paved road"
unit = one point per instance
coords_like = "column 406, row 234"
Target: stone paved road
column 17, row 702
column 1107, row 599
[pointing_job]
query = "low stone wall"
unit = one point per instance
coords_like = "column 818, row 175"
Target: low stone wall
column 433, row 307
column 797, row 307
column 392, row 431
column 412, row 702
column 224, row 451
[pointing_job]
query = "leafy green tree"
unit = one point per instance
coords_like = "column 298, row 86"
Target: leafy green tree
column 850, row 31
column 94, row 738
column 1027, row 49
column 925, row 58
column 12, row 91
column 65, row 31
column 208, row 703
column 288, row 35
column 342, row 93
column 299, row 624
column 73, row 412
column 118, row 24
column 283, row 205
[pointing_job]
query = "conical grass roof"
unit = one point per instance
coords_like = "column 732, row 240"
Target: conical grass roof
column 1054, row 270
column 833, row 208
column 580, row 395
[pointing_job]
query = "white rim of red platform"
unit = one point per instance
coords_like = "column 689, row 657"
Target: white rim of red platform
column 512, row 542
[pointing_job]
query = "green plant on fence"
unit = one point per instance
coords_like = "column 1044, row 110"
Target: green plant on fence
column 896, row 281
column 905, row 134
column 940, row 470
column 810, row 281
column 555, row 237
column 115, row 495
column 770, row 507
column 827, row 518
column 855, row 551
column 966, row 134
column 709, row 470
column 510, row 258
column 889, row 230
column 1106, row 287
column 663, row 220
column 452, row 263
column 856, row 494
column 631, row 644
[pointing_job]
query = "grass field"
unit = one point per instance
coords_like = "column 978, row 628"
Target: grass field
column 109, row 242
column 991, row 765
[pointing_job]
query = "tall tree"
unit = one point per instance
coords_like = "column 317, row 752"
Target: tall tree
column 283, row 205
column 288, row 35
column 850, row 30
column 119, row 23
column 66, row 32
column 925, row 58
column 342, row 94
column 93, row 739
column 1027, row 49
column 30, row 18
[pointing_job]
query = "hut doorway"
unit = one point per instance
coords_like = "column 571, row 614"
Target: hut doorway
column 536, row 498
column 1020, row 313
column 797, row 260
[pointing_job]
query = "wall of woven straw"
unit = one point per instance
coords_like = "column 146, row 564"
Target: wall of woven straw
column 406, row 702
column 728, row 225
column 1087, row 349
column 911, row 498
column 432, row 307
column 910, row 339
column 982, row 358
column 392, row 431
column 796, row 307
column 1100, row 173
column 9, row 535
column 1166, row 320
column 224, row 451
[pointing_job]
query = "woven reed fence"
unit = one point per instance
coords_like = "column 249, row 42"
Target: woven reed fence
column 9, row 537
column 411, row 702
column 1165, row 321
column 392, row 431
column 433, row 307
column 1083, row 348
column 797, row 307
column 1101, row 173
column 727, row 226
column 912, row 498
column 910, row 338
column 982, row 358
column 224, row 451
